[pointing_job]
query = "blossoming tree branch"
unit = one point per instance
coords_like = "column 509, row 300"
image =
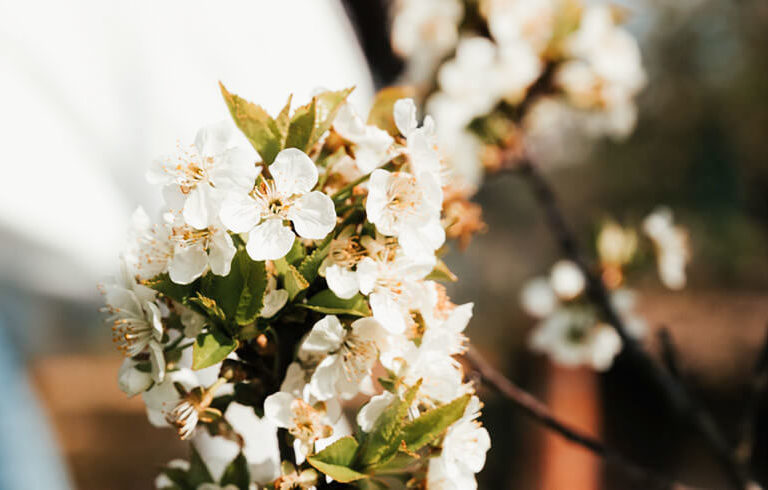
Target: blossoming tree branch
column 512, row 84
column 276, row 287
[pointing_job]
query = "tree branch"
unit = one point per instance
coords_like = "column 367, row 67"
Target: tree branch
column 678, row 396
column 758, row 385
column 538, row 411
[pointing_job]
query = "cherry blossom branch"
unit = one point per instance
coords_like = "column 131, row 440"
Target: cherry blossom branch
column 758, row 385
column 538, row 411
column 701, row 420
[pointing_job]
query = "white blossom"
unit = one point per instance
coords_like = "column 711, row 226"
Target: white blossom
column 464, row 448
column 371, row 144
column 407, row 207
column 390, row 279
column 197, row 178
column 288, row 195
column 338, row 266
column 136, row 319
column 347, row 355
column 672, row 247
column 133, row 380
column 306, row 423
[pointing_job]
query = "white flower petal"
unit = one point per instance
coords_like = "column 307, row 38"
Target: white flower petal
column 240, row 213
column 132, row 381
column 313, row 215
column 405, row 116
column 370, row 412
column 387, row 312
column 293, row 172
column 326, row 336
column 277, row 408
column 157, row 359
column 200, row 207
column 273, row 302
column 221, row 252
column 325, row 377
column 342, row 281
column 187, row 264
column 270, row 240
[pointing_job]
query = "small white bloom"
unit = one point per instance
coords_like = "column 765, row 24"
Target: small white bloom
column 149, row 246
column 537, row 298
column 196, row 251
column 196, row 179
column 136, row 320
column 471, row 77
column 338, row 266
column 347, row 356
column 521, row 21
column 572, row 337
column 306, row 423
column 465, row 445
column 424, row 31
column 287, row 196
column 421, row 142
column 389, row 279
column 408, row 208
column 163, row 397
column 672, row 247
column 567, row 280
column 371, row 144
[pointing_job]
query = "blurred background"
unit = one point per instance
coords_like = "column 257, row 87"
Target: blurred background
column 91, row 91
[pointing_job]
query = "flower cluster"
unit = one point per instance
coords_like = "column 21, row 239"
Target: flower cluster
column 502, row 76
column 570, row 329
column 277, row 287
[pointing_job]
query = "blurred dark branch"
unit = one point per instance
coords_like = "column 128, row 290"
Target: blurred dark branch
column 370, row 19
column 538, row 411
column 758, row 385
column 598, row 294
column 669, row 353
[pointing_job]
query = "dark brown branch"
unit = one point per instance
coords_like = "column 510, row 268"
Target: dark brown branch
column 758, row 385
column 538, row 411
column 598, row 294
column 669, row 353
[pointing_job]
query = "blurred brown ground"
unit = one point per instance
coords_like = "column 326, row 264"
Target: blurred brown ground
column 109, row 444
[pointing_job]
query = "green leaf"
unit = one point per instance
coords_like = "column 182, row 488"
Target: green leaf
column 293, row 281
column 237, row 473
column 441, row 272
column 258, row 126
column 301, row 127
column 336, row 459
column 254, row 288
column 385, row 439
column 327, row 106
column 430, row 425
column 381, row 114
column 399, row 463
column 296, row 254
column 311, row 263
column 211, row 348
column 240, row 294
column 330, row 304
column 198, row 472
column 209, row 305
column 283, row 121
column 178, row 292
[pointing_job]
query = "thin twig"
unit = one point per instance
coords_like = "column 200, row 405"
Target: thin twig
column 758, row 385
column 668, row 352
column 537, row 410
column 678, row 396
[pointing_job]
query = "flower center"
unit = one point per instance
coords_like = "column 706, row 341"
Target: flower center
column 307, row 422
